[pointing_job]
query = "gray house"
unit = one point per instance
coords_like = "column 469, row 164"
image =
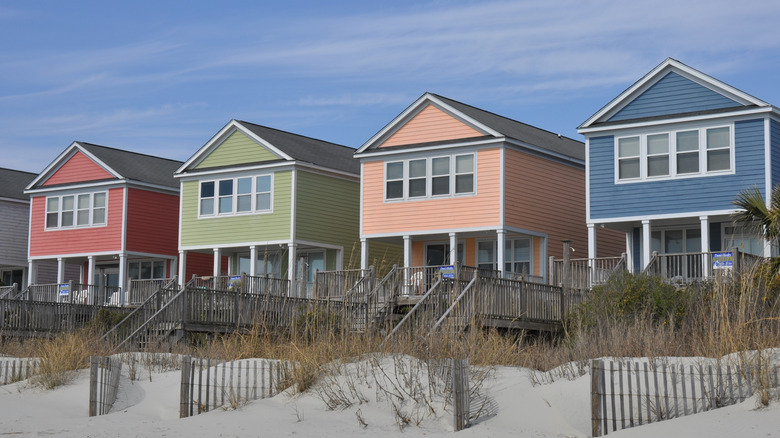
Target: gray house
column 14, row 219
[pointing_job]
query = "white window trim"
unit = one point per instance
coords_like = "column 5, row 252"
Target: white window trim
column 234, row 197
column 673, row 175
column 75, row 211
column 507, row 258
column 152, row 261
column 429, row 178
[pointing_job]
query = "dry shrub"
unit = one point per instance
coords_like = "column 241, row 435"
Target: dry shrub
column 62, row 356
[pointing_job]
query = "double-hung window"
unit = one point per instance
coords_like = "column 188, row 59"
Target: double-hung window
column 72, row 211
column 433, row 177
column 229, row 196
column 146, row 270
column 674, row 154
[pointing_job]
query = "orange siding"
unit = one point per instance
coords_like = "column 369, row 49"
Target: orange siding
column 78, row 168
column 549, row 197
column 152, row 222
column 430, row 124
column 79, row 240
column 418, row 253
column 433, row 214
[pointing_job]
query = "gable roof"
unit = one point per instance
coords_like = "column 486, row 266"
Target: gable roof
column 491, row 124
column 286, row 145
column 723, row 97
column 122, row 164
column 13, row 182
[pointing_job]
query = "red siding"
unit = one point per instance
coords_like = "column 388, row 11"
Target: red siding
column 78, row 168
column 152, row 222
column 79, row 240
column 202, row 265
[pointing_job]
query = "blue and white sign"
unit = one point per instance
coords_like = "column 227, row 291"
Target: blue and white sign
column 64, row 289
column 722, row 260
column 234, row 281
column 447, row 271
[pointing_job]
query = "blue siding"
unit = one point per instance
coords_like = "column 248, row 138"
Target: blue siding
column 681, row 195
column 774, row 136
column 673, row 94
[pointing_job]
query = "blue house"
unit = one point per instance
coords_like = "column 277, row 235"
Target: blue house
column 665, row 160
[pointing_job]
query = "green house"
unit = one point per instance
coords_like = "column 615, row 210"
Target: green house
column 265, row 202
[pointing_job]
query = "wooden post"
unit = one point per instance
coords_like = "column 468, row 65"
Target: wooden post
column 595, row 396
column 184, row 392
column 93, row 377
column 551, row 270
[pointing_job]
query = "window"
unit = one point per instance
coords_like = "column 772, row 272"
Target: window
column 430, row 177
column 72, row 211
column 628, row 157
column 146, row 270
column 685, row 153
column 486, row 255
column 743, row 239
column 518, row 256
column 658, row 155
column 236, row 196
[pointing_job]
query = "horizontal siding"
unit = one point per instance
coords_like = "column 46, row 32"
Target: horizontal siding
column 433, row 214
column 152, row 222
column 430, row 124
column 237, row 149
column 774, row 135
column 549, row 197
column 327, row 210
column 14, row 222
column 77, row 169
column 79, row 240
column 673, row 94
column 233, row 229
column 609, row 200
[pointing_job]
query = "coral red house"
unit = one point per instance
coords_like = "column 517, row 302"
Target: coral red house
column 106, row 216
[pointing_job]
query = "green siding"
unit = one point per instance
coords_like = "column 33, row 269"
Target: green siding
column 237, row 149
column 382, row 256
column 234, row 229
column 328, row 211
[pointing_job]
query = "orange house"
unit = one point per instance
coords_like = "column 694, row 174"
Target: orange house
column 453, row 182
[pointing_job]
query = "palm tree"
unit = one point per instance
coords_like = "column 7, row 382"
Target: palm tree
column 755, row 214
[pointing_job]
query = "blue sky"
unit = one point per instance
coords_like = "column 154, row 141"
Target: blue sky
column 163, row 77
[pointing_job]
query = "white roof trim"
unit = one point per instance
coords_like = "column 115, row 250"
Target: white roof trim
column 659, row 72
column 63, row 158
column 222, row 135
column 413, row 109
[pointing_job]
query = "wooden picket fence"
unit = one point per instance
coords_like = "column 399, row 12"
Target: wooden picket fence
column 461, row 395
column 207, row 384
column 104, row 375
column 626, row 394
column 15, row 369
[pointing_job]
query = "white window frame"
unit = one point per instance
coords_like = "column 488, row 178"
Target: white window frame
column 508, row 255
column 673, row 174
column 152, row 262
column 253, row 193
column 452, row 175
column 75, row 211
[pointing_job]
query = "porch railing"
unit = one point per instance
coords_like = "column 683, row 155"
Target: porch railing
column 261, row 284
column 139, row 291
column 698, row 266
column 584, row 273
column 339, row 284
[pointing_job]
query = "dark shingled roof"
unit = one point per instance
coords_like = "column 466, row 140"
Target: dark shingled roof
column 135, row 166
column 521, row 131
column 13, row 182
column 307, row 149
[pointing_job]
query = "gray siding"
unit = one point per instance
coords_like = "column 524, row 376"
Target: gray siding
column 708, row 193
column 673, row 94
column 14, row 222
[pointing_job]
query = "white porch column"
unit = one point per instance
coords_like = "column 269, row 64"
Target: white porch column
column 31, row 273
column 60, row 270
column 252, row 260
column 122, row 278
column 90, row 269
column 182, row 267
column 363, row 253
column 291, row 261
column 217, row 262
column 500, row 247
column 706, row 261
column 454, row 248
column 407, row 251
column 645, row 243
column 630, row 251
column 591, row 241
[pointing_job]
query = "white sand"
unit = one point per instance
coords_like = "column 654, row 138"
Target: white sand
column 516, row 408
